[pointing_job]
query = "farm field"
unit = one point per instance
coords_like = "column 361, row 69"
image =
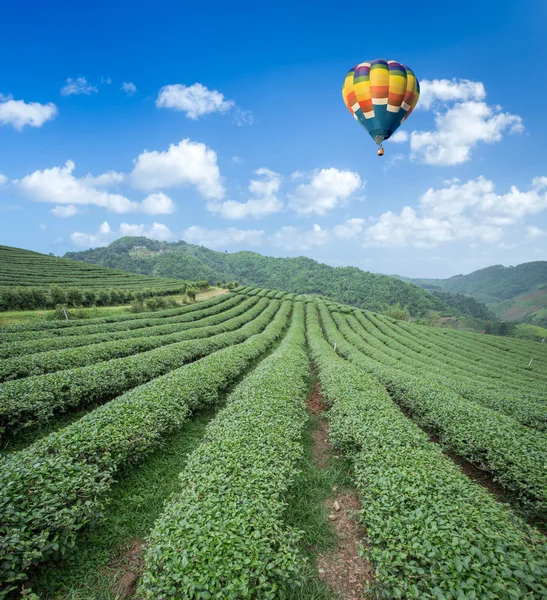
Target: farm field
column 26, row 268
column 21, row 317
column 259, row 444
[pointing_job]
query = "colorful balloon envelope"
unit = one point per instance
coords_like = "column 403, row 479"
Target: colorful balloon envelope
column 381, row 94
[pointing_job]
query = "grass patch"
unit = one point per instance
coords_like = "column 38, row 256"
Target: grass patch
column 136, row 501
column 306, row 510
column 20, row 317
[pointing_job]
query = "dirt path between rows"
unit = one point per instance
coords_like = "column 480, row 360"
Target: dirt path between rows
column 342, row 569
column 129, row 567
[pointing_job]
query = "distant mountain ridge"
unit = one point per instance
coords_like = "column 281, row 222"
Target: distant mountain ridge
column 301, row 275
column 512, row 293
column 492, row 284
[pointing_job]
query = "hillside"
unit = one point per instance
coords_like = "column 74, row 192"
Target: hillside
column 300, row 275
column 202, row 429
column 530, row 308
column 26, row 268
column 493, row 284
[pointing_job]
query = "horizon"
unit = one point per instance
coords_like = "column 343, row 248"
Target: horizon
column 142, row 129
column 507, row 266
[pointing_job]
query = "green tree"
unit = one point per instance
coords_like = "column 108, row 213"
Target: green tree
column 57, row 295
column 397, row 312
column 75, row 297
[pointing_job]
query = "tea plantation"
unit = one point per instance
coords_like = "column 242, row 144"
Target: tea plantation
column 164, row 455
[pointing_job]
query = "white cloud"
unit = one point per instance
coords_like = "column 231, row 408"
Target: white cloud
column 243, row 117
column 186, row 163
column 478, row 198
column 3, row 179
column 105, row 180
column 264, row 199
column 399, row 137
column 325, row 189
column 194, row 100
column 19, row 113
column 504, row 246
column 459, row 130
column 156, row 231
column 129, row 88
column 219, row 238
column 65, row 210
column 237, row 160
column 349, row 229
column 470, row 211
column 534, row 232
column 59, row 186
column 158, row 204
column 75, row 87
column 292, row 239
column 407, row 229
column 446, row 90
column 105, row 235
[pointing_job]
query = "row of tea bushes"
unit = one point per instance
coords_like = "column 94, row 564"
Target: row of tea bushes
column 51, row 489
column 431, row 532
column 223, row 535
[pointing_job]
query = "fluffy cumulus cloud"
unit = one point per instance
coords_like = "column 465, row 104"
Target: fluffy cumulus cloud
column 350, row 229
column 449, row 90
column 459, row 130
column 264, row 199
column 59, row 186
column 105, row 234
column 478, row 198
column 78, row 86
column 323, row 190
column 105, row 180
column 3, row 179
column 157, row 204
column 534, row 232
column 293, row 239
column 65, row 211
column 185, row 163
column 220, row 238
column 19, row 113
column 399, row 137
column 470, row 211
column 129, row 88
column 193, row 100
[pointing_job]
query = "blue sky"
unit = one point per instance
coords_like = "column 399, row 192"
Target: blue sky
column 223, row 124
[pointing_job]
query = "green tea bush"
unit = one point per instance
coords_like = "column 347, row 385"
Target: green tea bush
column 222, row 535
column 431, row 533
column 50, row 490
column 37, row 399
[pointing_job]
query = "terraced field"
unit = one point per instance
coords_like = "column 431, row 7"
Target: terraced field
column 30, row 269
column 110, row 473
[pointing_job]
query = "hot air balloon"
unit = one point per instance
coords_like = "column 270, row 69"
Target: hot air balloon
column 381, row 94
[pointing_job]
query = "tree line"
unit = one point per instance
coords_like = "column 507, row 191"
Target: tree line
column 31, row 298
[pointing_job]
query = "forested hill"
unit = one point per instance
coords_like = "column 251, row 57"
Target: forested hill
column 299, row 275
column 493, row 284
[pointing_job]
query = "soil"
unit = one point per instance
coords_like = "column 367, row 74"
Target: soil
column 128, row 567
column 315, row 400
column 342, row 569
column 480, row 476
column 322, row 452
